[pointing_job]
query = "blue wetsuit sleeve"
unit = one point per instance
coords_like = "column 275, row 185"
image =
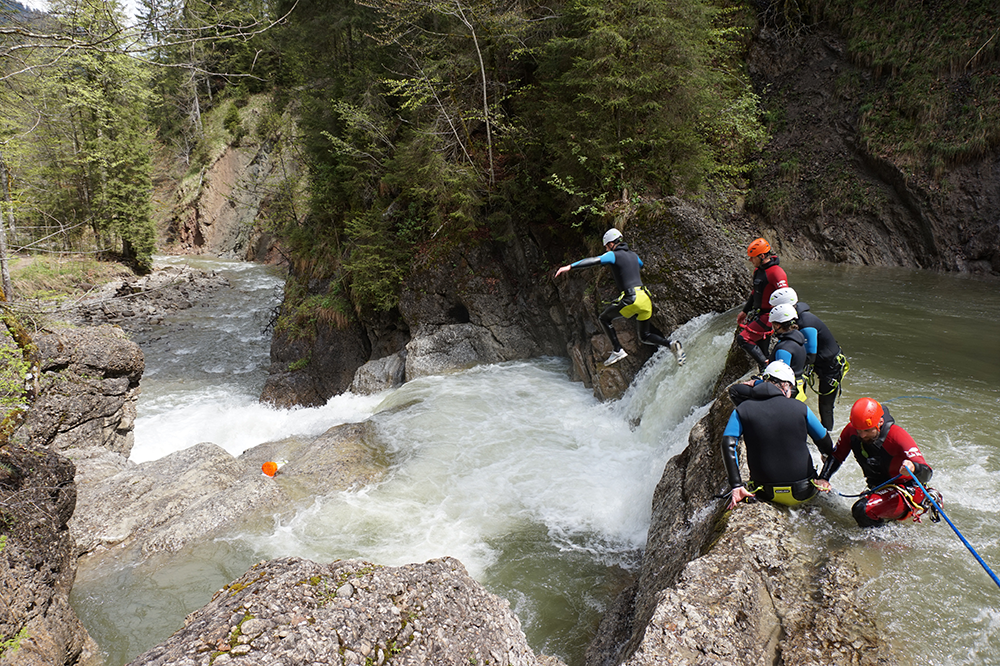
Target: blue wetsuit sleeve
column 735, row 427
column 783, row 355
column 814, row 427
column 640, row 262
column 812, row 339
column 608, row 258
column 589, row 261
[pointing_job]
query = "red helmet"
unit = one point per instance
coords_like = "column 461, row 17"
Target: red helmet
column 759, row 246
column 866, row 413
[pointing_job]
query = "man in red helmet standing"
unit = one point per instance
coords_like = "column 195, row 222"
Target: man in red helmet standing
column 884, row 450
column 753, row 320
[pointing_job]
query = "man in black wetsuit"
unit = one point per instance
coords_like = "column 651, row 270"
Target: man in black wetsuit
column 823, row 353
column 633, row 301
column 774, row 429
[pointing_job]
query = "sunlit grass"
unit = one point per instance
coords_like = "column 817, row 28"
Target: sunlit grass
column 53, row 277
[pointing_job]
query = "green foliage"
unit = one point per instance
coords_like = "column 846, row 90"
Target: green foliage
column 11, row 645
column 646, row 96
column 233, row 123
column 81, row 148
column 13, row 370
column 936, row 98
column 431, row 124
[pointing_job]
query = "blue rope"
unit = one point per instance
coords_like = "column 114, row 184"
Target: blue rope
column 869, row 492
column 967, row 545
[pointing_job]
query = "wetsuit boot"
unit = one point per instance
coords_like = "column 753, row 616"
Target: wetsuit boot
column 826, row 402
column 755, row 353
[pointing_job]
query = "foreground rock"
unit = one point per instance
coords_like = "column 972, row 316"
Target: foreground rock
column 37, row 563
column 762, row 596
column 738, row 588
column 294, row 611
column 82, row 401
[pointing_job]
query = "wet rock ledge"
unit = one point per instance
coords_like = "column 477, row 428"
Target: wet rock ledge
column 737, row 588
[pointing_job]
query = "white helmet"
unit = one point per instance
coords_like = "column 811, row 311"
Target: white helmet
column 779, row 370
column 783, row 295
column 611, row 235
column 783, row 313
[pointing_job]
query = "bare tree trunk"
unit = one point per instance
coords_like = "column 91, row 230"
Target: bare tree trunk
column 8, row 289
column 482, row 72
column 5, row 177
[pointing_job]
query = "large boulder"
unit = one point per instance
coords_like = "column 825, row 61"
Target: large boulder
column 164, row 504
column 37, row 561
column 293, row 611
column 763, row 596
column 188, row 496
column 343, row 457
column 87, row 391
column 498, row 301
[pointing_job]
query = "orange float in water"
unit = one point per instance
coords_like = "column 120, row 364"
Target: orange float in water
column 269, row 468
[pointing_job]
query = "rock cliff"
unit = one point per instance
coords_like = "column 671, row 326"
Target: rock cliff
column 820, row 194
column 498, row 301
column 84, row 400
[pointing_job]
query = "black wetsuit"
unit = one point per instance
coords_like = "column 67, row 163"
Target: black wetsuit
column 791, row 348
column 774, row 429
column 828, row 364
column 625, row 268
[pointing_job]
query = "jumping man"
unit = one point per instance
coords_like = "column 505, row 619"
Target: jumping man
column 633, row 301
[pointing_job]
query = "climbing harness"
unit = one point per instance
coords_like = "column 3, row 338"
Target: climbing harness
column 918, row 509
column 844, row 366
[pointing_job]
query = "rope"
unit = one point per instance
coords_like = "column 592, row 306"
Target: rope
column 871, row 490
column 952, row 525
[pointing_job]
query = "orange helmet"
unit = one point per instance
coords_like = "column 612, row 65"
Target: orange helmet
column 269, row 468
column 759, row 246
column 866, row 413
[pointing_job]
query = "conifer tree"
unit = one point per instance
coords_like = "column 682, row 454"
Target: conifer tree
column 92, row 152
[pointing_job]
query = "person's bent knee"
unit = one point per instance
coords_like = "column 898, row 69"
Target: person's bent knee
column 862, row 517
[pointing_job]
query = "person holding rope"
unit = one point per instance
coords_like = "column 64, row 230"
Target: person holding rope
column 885, row 452
column 824, row 359
column 754, row 326
column 633, row 301
column 774, row 429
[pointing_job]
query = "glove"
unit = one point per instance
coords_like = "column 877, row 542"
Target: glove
column 741, row 318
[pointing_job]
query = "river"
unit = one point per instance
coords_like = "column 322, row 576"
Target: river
column 543, row 492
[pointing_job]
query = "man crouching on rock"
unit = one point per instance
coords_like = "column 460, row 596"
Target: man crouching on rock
column 774, row 429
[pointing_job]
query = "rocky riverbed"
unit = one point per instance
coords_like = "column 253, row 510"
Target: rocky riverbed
column 713, row 588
